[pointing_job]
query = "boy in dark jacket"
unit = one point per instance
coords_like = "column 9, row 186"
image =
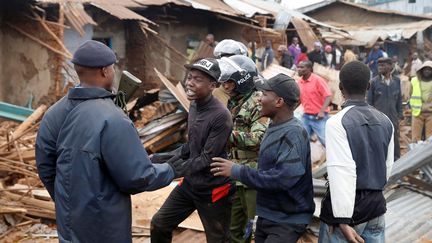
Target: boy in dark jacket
column 209, row 127
column 284, row 179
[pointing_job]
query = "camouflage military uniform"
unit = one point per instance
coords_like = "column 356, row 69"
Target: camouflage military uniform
column 249, row 128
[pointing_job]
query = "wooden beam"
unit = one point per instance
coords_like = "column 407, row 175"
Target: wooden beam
column 37, row 40
column 179, row 96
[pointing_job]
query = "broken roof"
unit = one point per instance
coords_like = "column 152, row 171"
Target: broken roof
column 408, row 217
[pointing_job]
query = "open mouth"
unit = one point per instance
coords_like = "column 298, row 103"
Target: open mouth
column 190, row 92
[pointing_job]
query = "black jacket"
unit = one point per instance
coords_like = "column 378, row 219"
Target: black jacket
column 90, row 159
column 316, row 57
column 386, row 98
column 287, row 60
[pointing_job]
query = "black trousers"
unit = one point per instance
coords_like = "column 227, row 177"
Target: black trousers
column 271, row 232
column 396, row 143
column 215, row 217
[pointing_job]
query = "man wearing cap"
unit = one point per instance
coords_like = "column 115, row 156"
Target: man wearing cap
column 385, row 95
column 90, row 158
column 283, row 179
column 315, row 98
column 316, row 55
column 209, row 127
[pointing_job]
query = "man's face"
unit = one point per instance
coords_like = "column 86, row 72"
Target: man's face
column 268, row 44
column 384, row 68
column 395, row 59
column 108, row 73
column 295, row 40
column 198, row 85
column 376, row 47
column 317, row 48
column 415, row 56
column 303, row 69
column 268, row 102
column 427, row 72
column 209, row 39
column 229, row 88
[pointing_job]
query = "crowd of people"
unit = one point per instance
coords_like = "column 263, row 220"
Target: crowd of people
column 247, row 160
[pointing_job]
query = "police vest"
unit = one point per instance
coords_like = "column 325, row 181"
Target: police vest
column 416, row 100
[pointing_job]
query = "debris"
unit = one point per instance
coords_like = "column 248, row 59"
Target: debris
column 179, row 93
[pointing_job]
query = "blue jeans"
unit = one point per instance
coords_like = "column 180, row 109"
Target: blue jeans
column 371, row 232
column 313, row 125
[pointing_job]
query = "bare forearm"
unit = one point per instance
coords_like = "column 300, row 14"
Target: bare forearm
column 326, row 103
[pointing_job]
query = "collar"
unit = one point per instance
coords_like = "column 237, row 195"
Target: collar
column 83, row 93
column 203, row 105
column 354, row 102
column 306, row 80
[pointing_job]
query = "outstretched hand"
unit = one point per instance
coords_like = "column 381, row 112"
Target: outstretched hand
column 221, row 167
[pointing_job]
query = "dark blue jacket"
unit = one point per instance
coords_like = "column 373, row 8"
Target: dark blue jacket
column 284, row 177
column 386, row 98
column 90, row 159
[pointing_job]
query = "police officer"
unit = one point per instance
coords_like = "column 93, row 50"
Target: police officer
column 238, row 74
column 90, row 158
column 227, row 48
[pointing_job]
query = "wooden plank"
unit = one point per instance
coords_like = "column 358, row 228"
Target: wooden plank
column 305, row 32
column 167, row 141
column 180, row 96
column 38, row 113
column 161, row 136
column 275, row 69
column 6, row 210
column 204, row 50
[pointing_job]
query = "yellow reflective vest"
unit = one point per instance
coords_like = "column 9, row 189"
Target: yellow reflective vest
column 416, row 99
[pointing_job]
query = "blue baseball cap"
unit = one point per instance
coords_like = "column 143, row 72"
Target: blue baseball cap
column 94, row 54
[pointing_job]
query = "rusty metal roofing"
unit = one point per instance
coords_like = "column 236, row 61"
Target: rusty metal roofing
column 325, row 3
column 394, row 32
column 124, row 3
column 213, row 6
column 77, row 16
column 120, row 12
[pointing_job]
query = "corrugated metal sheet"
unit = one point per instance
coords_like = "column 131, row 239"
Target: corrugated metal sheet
column 394, row 32
column 121, row 12
column 248, row 9
column 160, row 3
column 77, row 16
column 368, row 35
column 124, row 3
column 326, row 3
column 214, row 6
column 409, row 218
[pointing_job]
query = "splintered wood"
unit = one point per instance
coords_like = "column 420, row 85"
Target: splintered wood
column 19, row 182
